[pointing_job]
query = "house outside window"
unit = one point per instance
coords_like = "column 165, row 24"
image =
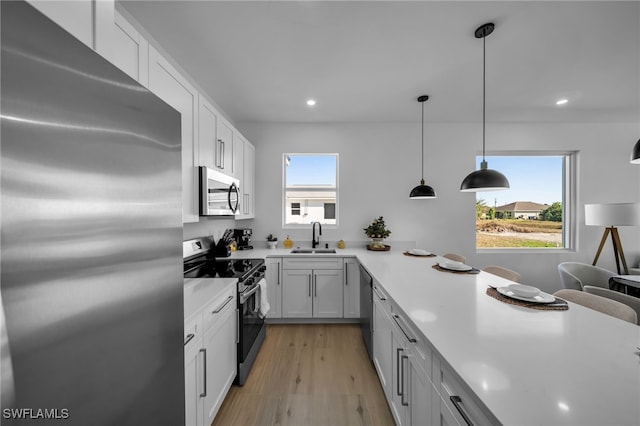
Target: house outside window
column 310, row 192
column 538, row 211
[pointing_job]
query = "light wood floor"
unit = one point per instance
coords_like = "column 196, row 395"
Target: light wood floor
column 309, row 374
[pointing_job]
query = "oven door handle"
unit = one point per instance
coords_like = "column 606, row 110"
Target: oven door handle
column 246, row 295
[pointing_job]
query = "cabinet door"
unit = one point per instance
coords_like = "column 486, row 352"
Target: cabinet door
column 382, row 345
column 174, row 89
column 194, row 381
column 131, row 50
column 238, row 157
column 220, row 343
column 207, row 126
column 328, row 293
column 296, row 293
column 249, row 173
column 274, row 287
column 351, row 288
column 224, row 146
column 420, row 394
column 399, row 378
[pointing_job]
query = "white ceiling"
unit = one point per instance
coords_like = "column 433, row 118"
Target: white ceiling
column 368, row 61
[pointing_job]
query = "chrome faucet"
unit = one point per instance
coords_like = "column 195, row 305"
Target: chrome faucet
column 315, row 242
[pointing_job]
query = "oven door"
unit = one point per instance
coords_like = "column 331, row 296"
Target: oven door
column 250, row 321
column 218, row 193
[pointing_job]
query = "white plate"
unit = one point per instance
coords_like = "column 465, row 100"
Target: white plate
column 540, row 298
column 524, row 290
column 455, row 266
column 419, row 252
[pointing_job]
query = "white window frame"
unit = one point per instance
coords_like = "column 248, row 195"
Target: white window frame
column 569, row 202
column 284, row 191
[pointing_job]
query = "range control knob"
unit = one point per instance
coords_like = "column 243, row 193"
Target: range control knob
column 262, row 268
column 249, row 281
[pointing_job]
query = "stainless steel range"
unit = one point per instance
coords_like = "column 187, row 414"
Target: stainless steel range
column 199, row 262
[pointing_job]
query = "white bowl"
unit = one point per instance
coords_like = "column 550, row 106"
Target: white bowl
column 524, row 290
column 455, row 266
column 419, row 252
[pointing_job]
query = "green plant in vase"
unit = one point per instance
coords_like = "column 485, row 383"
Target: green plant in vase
column 377, row 231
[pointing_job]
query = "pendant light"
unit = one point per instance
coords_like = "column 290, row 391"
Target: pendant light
column 422, row 191
column 635, row 155
column 484, row 179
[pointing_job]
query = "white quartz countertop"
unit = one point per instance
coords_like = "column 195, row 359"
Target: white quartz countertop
column 575, row 367
column 198, row 291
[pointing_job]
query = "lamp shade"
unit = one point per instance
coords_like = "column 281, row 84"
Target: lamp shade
column 422, row 191
column 635, row 155
column 484, row 180
column 614, row 214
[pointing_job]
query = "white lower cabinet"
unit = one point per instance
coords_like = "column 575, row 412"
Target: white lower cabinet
column 273, row 276
column 382, row 339
column 315, row 292
column 210, row 345
column 220, row 344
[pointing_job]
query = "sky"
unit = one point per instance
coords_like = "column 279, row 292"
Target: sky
column 311, row 169
column 531, row 178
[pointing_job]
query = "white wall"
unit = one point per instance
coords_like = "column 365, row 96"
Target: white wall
column 380, row 164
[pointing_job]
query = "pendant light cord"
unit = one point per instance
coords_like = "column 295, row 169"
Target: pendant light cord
column 422, row 136
column 484, row 71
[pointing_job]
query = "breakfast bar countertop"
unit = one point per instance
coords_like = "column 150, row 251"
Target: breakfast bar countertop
column 574, row 367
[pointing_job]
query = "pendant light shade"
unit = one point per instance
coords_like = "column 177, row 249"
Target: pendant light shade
column 484, row 179
column 422, row 191
column 635, row 155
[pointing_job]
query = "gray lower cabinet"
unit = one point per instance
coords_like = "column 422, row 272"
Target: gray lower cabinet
column 351, row 288
column 311, row 293
column 273, row 276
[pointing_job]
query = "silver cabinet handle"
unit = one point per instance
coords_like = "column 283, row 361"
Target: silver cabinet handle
column 222, row 154
column 315, row 285
column 279, row 266
column 397, row 319
column 219, row 154
column 309, row 285
column 346, row 274
column 457, row 401
column 190, row 337
column 398, row 391
column 381, row 296
column 221, row 307
column 402, row 358
column 237, row 326
column 204, row 373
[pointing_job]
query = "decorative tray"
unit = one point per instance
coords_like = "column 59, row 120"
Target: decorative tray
column 385, row 248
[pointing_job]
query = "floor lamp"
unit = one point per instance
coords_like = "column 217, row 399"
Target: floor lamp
column 610, row 216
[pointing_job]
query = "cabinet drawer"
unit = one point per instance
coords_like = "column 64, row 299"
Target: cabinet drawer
column 465, row 407
column 219, row 306
column 382, row 298
column 421, row 349
column 315, row 263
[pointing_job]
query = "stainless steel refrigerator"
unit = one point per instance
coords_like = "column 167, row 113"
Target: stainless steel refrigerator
column 91, row 236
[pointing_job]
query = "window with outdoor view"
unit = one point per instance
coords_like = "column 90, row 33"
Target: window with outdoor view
column 536, row 212
column 310, row 189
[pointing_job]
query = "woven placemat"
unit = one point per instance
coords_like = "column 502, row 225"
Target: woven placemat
column 406, row 253
column 557, row 305
column 470, row 271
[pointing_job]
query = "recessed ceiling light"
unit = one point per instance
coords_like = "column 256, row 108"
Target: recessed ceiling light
column 562, row 101
column 311, row 102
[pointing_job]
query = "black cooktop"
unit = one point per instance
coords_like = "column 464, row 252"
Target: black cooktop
column 221, row 268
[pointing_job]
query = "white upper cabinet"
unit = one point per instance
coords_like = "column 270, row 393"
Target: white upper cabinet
column 207, row 142
column 130, row 50
column 90, row 21
column 224, row 146
column 245, row 171
column 166, row 82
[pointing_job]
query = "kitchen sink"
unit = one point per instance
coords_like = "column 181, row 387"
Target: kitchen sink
column 310, row 251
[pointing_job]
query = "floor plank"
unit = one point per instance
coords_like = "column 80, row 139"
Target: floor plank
column 308, row 375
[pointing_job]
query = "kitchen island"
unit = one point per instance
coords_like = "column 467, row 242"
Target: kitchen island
column 525, row 366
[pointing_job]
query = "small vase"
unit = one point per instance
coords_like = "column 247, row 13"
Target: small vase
column 377, row 243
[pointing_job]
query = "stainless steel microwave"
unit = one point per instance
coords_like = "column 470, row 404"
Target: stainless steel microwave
column 218, row 193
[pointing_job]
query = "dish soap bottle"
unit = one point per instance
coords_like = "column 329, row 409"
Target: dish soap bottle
column 341, row 244
column 288, row 243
